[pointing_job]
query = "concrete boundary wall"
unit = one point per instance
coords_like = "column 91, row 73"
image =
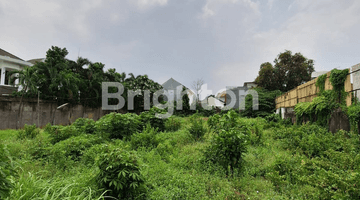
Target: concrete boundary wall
column 40, row 115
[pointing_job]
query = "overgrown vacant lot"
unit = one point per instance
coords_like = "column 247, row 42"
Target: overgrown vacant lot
column 223, row 157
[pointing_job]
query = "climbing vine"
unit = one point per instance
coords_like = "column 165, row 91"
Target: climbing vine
column 337, row 79
column 320, row 108
column 320, row 83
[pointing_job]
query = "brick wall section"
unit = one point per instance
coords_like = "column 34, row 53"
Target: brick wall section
column 30, row 111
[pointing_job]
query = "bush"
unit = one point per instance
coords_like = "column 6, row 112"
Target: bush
column 150, row 117
column 118, row 126
column 214, row 121
column 173, row 124
column 227, row 149
column 39, row 147
column 147, row 138
column 120, row 173
column 85, row 125
column 6, row 172
column 60, row 133
column 29, row 131
column 72, row 149
column 197, row 128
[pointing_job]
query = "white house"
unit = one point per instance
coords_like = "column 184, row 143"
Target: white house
column 9, row 62
column 213, row 101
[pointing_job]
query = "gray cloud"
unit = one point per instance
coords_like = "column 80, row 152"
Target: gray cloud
column 222, row 41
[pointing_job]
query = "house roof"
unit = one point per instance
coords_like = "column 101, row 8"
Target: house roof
column 34, row 61
column 7, row 54
column 172, row 84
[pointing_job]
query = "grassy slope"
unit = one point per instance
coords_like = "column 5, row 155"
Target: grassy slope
column 173, row 170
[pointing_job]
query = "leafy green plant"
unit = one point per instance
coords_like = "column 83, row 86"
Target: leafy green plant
column 172, row 124
column 120, row 173
column 118, row 126
column 227, row 149
column 197, row 128
column 29, row 131
column 60, row 133
column 146, row 138
column 7, row 170
column 85, row 125
column 65, row 152
column 337, row 79
column 213, row 121
column 150, row 117
column 320, row 83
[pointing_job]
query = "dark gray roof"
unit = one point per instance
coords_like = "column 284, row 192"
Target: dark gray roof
column 171, row 84
column 5, row 53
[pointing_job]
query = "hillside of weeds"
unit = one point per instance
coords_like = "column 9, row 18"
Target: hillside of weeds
column 128, row 156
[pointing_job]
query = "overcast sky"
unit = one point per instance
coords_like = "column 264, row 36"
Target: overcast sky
column 222, row 41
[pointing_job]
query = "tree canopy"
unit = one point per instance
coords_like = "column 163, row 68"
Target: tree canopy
column 289, row 71
column 78, row 82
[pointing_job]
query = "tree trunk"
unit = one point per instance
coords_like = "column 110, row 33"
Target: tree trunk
column 19, row 112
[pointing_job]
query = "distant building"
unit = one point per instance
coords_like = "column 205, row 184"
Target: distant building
column 212, row 101
column 170, row 87
column 239, row 91
column 9, row 62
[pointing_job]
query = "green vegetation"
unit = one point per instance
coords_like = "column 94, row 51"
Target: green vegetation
column 227, row 157
column 321, row 107
column 288, row 72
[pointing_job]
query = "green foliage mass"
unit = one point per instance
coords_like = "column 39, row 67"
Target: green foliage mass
column 320, row 108
column 85, row 125
column 65, row 152
column 266, row 100
column 320, row 83
column 146, row 138
column 290, row 70
column 150, row 117
column 7, row 170
column 197, row 129
column 173, row 123
column 118, row 126
column 78, row 82
column 120, row 172
column 29, row 131
column 245, row 158
column 60, row 133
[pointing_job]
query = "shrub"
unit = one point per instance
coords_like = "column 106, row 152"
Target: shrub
column 39, row 147
column 120, row 173
column 150, row 117
column 197, row 128
column 173, row 124
column 118, row 126
column 227, row 149
column 85, row 125
column 29, row 131
column 72, row 149
column 213, row 121
column 60, row 133
column 147, row 138
column 6, row 172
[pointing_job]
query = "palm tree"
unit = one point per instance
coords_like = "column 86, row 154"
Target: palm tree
column 29, row 80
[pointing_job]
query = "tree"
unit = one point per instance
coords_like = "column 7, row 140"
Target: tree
column 196, row 85
column 29, row 81
column 288, row 72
